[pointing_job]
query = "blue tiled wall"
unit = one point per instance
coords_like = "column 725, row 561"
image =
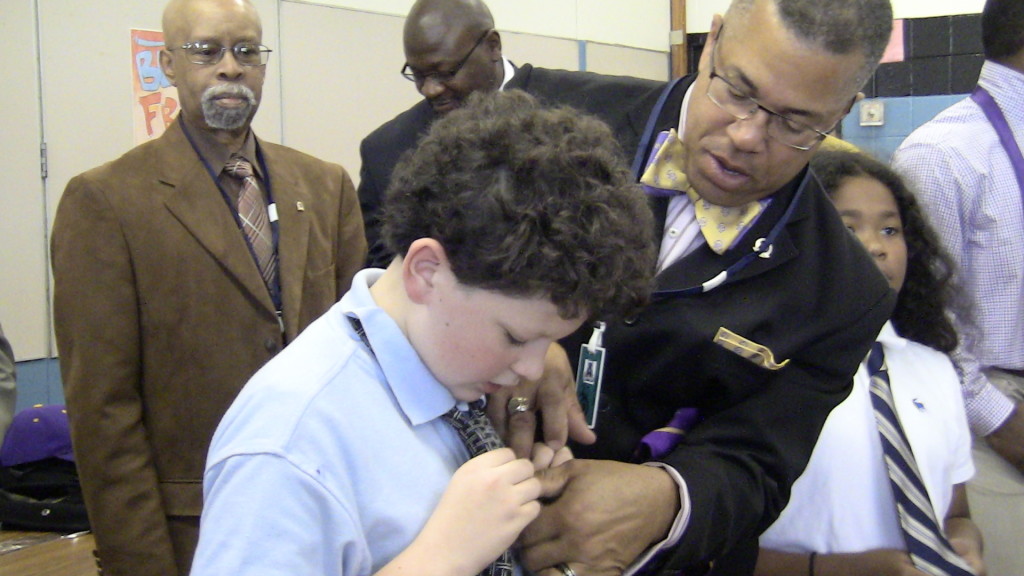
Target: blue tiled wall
column 902, row 116
column 39, row 383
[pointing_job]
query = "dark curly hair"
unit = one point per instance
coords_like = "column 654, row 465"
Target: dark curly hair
column 923, row 306
column 1002, row 29
column 527, row 201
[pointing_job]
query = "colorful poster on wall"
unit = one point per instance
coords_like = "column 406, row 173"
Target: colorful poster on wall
column 154, row 100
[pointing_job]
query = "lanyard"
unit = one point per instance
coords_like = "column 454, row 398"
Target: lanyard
column 762, row 247
column 275, row 291
column 649, row 129
column 995, row 117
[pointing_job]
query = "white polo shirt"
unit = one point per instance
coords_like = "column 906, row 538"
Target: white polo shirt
column 843, row 502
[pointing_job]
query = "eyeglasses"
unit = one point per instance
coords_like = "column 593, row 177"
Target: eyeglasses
column 442, row 77
column 210, row 53
column 781, row 128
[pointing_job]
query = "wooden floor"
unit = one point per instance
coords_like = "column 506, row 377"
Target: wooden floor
column 46, row 554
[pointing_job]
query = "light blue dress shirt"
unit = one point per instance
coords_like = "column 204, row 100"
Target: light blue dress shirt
column 330, row 461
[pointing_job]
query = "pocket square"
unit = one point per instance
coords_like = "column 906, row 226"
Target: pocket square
column 756, row 353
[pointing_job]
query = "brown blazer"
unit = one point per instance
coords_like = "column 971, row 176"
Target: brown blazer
column 161, row 317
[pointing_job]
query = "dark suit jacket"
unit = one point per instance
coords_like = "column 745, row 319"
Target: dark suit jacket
column 162, row 316
column 613, row 99
column 818, row 302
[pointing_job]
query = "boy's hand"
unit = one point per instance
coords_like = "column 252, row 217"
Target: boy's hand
column 544, row 457
column 489, row 501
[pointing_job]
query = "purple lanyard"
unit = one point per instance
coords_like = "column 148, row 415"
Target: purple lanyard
column 995, row 117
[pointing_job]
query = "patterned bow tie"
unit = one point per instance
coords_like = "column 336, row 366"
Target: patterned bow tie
column 720, row 225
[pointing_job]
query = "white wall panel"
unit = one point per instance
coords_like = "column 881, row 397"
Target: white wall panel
column 23, row 255
column 638, row 23
column 558, row 53
column 625, row 61
column 699, row 12
column 557, row 18
column 340, row 79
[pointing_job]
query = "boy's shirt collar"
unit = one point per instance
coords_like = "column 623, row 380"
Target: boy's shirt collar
column 420, row 396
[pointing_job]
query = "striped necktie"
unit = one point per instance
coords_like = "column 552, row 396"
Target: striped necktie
column 926, row 544
column 478, row 435
column 252, row 211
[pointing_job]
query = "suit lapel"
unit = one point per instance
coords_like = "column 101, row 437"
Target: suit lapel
column 783, row 249
column 196, row 202
column 521, row 79
column 294, row 205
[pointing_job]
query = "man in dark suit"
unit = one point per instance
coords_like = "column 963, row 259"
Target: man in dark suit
column 803, row 309
column 453, row 50
column 176, row 280
column 751, row 339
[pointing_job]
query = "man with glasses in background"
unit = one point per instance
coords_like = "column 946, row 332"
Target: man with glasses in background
column 180, row 269
column 453, row 50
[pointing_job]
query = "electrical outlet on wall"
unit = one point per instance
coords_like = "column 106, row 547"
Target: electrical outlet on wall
column 872, row 113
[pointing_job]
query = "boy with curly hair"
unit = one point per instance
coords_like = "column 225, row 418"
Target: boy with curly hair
column 514, row 224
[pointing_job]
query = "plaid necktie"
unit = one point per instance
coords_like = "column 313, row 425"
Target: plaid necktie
column 478, row 435
column 926, row 544
column 720, row 225
column 252, row 211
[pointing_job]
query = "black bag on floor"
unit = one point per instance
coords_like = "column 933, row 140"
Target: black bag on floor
column 43, row 495
column 39, row 487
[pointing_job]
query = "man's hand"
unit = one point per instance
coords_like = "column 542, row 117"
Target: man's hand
column 554, row 396
column 970, row 550
column 1008, row 439
column 602, row 515
column 963, row 534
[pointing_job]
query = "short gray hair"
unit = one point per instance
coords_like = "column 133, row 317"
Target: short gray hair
column 839, row 26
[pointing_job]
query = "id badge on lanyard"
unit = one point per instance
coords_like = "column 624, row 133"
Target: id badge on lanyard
column 589, row 373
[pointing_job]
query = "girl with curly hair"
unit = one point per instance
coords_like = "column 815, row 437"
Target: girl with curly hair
column 842, row 516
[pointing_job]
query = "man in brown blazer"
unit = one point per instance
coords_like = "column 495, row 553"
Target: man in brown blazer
column 162, row 311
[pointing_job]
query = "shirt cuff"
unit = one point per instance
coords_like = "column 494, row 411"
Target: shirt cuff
column 678, row 527
column 987, row 408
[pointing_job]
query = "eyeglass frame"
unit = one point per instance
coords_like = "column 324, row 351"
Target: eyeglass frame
column 262, row 50
column 820, row 135
column 443, row 76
